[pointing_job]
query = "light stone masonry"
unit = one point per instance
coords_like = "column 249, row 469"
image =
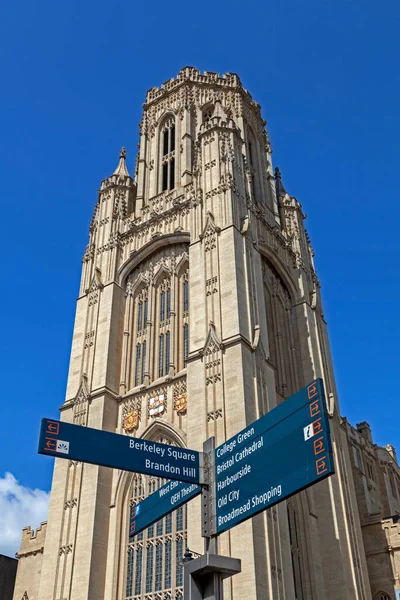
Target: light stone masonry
column 199, row 311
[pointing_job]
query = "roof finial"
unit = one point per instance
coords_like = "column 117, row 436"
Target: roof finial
column 121, row 167
column 280, row 190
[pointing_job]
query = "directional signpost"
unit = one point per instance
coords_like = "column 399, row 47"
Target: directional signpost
column 159, row 504
column 118, row 451
column 280, row 454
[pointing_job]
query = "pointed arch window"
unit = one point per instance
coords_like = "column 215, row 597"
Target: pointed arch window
column 159, row 563
column 253, row 166
column 168, row 303
column 208, row 113
column 145, row 310
column 168, row 563
column 295, row 551
column 137, row 364
column 183, row 318
column 161, row 356
column 179, row 567
column 162, row 306
column 167, row 351
column 134, row 363
column 167, row 153
column 149, row 567
column 185, row 343
column 140, row 316
column 143, row 361
column 283, row 331
column 138, row 572
column 154, row 556
column 185, row 296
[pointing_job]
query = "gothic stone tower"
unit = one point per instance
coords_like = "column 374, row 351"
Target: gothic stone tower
column 199, row 310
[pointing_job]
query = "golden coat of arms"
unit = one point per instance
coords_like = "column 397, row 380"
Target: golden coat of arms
column 131, row 420
column 181, row 404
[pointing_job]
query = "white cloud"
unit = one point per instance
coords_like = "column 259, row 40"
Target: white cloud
column 19, row 507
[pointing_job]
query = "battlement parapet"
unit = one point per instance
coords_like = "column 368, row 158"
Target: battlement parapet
column 227, row 80
column 32, row 541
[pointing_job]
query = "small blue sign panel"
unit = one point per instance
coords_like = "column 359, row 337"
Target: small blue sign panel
column 280, row 454
column 397, row 594
column 98, row 447
column 159, row 504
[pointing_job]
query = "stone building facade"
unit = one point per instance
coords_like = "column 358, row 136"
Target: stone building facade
column 376, row 477
column 199, row 310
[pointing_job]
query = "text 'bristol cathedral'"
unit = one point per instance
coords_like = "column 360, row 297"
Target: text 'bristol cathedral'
column 199, row 310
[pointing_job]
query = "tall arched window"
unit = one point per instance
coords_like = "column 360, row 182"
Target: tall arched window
column 252, row 160
column 164, row 324
column 382, row 596
column 184, row 318
column 185, row 343
column 141, row 302
column 282, row 331
column 154, row 561
column 295, row 550
column 207, row 113
column 167, row 152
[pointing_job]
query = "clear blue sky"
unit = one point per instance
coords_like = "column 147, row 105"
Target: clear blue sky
column 74, row 76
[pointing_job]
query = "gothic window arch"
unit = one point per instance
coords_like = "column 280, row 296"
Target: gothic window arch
column 167, row 154
column 156, row 323
column 253, row 165
column 183, row 317
column 295, row 549
column 382, row 596
column 282, row 331
column 154, row 557
column 207, row 112
column 163, row 308
column 141, row 302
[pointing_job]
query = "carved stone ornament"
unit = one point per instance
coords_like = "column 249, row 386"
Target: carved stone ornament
column 181, row 404
column 131, row 420
column 157, row 405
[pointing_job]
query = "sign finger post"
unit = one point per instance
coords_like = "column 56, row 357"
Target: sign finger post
column 285, row 451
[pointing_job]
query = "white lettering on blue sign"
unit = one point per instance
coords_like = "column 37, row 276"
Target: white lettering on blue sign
column 257, row 500
column 228, row 447
column 155, row 448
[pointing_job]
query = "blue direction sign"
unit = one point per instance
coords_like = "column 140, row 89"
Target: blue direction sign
column 118, row 451
column 280, row 454
column 159, row 504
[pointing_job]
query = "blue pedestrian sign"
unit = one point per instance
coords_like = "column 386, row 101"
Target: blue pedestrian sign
column 280, row 454
column 159, row 504
column 98, row 447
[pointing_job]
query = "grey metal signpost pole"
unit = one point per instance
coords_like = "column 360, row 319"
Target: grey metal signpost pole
column 203, row 576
